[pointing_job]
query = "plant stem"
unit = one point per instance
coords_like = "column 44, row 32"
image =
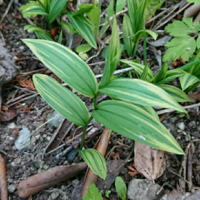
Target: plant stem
column 145, row 49
column 95, row 102
column 84, row 132
column 83, row 137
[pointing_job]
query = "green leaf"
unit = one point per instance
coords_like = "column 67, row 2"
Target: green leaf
column 93, row 193
column 140, row 34
column 187, row 80
column 198, row 42
column 84, row 8
column 161, row 74
column 110, row 12
column 139, row 68
column 183, row 47
column 120, row 188
column 176, row 93
column 83, row 27
column 137, row 124
column 68, row 27
column 83, row 48
column 151, row 7
column 182, row 28
column 140, row 92
column 171, row 75
column 65, row 64
column 94, row 17
column 61, row 99
column 95, row 161
column 33, row 8
column 127, row 34
column 60, row 37
column 193, row 1
column 113, row 56
column 41, row 34
column 56, row 8
column 137, row 19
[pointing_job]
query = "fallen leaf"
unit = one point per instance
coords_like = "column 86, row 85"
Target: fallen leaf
column 133, row 170
column 116, row 156
column 148, row 161
column 9, row 115
column 26, row 109
column 28, row 83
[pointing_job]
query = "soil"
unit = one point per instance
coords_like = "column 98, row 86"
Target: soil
column 29, row 110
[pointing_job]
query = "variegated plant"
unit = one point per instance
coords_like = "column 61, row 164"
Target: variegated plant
column 129, row 113
column 78, row 23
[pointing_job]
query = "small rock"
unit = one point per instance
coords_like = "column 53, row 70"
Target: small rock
column 187, row 138
column 54, row 195
column 56, row 119
column 11, row 125
column 21, row 48
column 142, row 189
column 181, row 125
column 23, row 140
column 72, row 155
column 11, row 188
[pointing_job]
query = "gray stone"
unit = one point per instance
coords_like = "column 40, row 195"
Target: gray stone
column 23, row 140
column 181, row 125
column 54, row 195
column 142, row 189
column 55, row 119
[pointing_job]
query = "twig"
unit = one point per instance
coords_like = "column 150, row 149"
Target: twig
column 171, row 110
column 167, row 20
column 31, row 96
column 7, row 10
column 3, row 182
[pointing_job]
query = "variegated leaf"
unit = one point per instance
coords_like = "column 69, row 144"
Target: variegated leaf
column 95, row 161
column 136, row 123
column 113, row 56
column 127, row 35
column 83, row 27
column 140, row 92
column 187, row 80
column 171, row 75
column 55, row 9
column 32, row 9
column 139, row 68
column 41, row 34
column 65, row 64
column 176, row 93
column 61, row 99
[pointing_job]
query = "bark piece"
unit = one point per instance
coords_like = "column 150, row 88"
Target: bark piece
column 3, row 182
column 48, row 179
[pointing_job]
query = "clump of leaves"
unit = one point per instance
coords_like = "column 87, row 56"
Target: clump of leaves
column 87, row 27
column 129, row 113
column 183, row 44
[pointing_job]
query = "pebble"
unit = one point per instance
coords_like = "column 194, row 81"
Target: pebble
column 23, row 141
column 56, row 120
column 11, row 188
column 54, row 195
column 11, row 125
column 72, row 155
column 181, row 125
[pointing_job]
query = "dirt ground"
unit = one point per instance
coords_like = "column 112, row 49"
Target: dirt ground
column 27, row 110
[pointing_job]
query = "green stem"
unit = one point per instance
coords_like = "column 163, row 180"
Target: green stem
column 84, row 132
column 95, row 102
column 145, row 49
column 83, row 137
